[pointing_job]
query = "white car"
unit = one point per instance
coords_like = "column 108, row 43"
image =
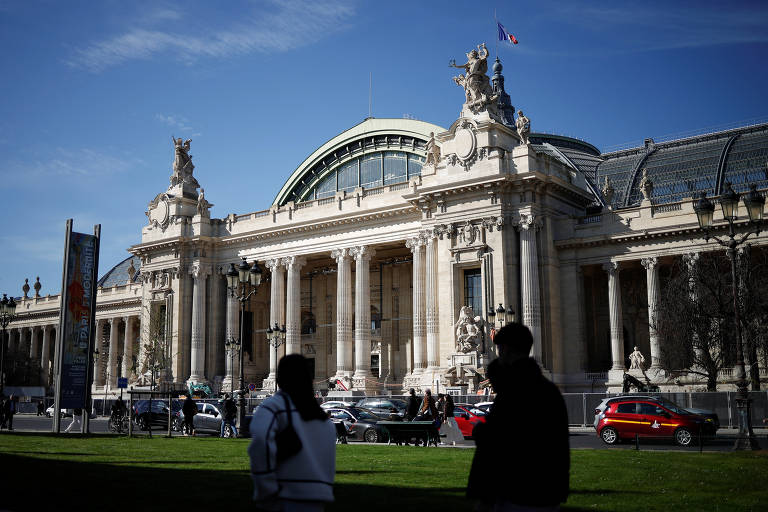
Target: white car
column 64, row 412
column 336, row 403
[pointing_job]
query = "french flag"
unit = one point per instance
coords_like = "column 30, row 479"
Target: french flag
column 504, row 35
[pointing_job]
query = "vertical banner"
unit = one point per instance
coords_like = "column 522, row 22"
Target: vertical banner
column 78, row 307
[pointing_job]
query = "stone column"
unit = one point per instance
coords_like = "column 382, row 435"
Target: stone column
column 197, row 338
column 231, row 332
column 98, row 340
column 385, row 362
column 529, row 280
column 128, row 347
column 416, row 245
column 431, row 304
column 34, row 345
column 276, row 313
column 343, row 314
column 652, row 276
column 113, row 349
column 692, row 263
column 362, row 255
column 615, row 312
column 45, row 360
column 293, row 266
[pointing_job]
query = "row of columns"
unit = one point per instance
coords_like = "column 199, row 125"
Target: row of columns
column 23, row 337
column 106, row 368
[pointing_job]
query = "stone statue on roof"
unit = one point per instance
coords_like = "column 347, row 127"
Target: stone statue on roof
column 523, row 125
column 607, row 191
column 433, row 151
column 477, row 87
column 646, row 185
column 182, row 163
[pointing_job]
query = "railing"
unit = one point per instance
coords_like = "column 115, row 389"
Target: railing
column 262, row 213
column 663, row 208
column 327, row 200
column 595, row 375
column 591, row 219
column 374, row 191
column 305, row 204
column 398, row 186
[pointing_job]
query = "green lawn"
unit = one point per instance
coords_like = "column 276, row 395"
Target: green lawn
column 212, row 472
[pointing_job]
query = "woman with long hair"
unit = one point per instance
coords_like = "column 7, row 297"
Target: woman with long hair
column 293, row 444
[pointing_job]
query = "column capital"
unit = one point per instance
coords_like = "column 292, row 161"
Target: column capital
column 273, row 264
column 293, row 262
column 197, row 270
column 650, row 263
column 415, row 244
column 529, row 221
column 113, row 319
column 362, row 252
column 340, row 254
column 612, row 267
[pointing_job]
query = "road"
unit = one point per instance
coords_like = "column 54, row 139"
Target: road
column 580, row 437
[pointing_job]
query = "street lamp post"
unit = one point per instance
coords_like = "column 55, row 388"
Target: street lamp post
column 705, row 210
column 501, row 315
column 276, row 336
column 7, row 315
column 231, row 345
column 243, row 282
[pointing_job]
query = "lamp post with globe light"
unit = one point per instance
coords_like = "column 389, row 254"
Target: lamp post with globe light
column 705, row 209
column 242, row 282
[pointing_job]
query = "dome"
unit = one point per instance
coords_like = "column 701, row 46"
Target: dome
column 118, row 275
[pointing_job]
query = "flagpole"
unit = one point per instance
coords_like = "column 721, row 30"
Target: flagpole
column 497, row 32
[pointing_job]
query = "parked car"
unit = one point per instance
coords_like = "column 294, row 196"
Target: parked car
column 336, row 403
column 467, row 416
column 603, row 405
column 484, row 406
column 63, row 412
column 362, row 425
column 208, row 419
column 383, row 406
column 627, row 417
column 158, row 416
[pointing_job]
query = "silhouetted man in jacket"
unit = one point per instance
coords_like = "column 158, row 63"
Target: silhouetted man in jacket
column 522, row 459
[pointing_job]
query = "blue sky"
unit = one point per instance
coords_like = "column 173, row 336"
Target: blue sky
column 92, row 92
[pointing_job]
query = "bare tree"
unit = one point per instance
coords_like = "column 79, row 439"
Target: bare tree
column 695, row 319
column 753, row 273
column 155, row 352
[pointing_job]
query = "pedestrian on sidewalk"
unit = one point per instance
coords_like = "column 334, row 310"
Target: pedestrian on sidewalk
column 40, row 408
column 9, row 408
column 228, row 413
column 413, row 406
column 189, row 408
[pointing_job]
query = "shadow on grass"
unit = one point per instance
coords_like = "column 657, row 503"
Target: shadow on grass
column 163, row 487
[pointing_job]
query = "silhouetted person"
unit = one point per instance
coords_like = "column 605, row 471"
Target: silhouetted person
column 229, row 414
column 522, row 458
column 40, row 408
column 9, row 407
column 300, row 480
column 189, row 408
column 412, row 410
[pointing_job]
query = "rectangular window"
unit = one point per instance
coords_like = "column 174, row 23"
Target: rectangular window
column 630, row 408
column 348, row 176
column 473, row 290
column 370, row 171
column 394, row 168
column 327, row 186
column 414, row 165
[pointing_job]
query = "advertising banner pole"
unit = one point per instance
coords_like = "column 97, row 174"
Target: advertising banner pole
column 92, row 339
column 59, row 338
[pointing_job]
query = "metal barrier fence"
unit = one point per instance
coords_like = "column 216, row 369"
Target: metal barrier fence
column 581, row 406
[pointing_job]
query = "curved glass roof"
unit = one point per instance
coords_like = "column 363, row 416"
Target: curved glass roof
column 374, row 153
column 118, row 275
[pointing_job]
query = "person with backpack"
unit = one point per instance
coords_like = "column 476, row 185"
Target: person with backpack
column 189, row 408
column 228, row 414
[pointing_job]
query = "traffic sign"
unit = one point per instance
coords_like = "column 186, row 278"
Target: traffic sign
column 252, row 387
column 122, row 382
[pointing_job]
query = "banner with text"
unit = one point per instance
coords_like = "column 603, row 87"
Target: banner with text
column 76, row 311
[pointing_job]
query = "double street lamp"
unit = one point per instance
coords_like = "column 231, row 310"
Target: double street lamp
column 501, row 315
column 243, row 282
column 276, row 336
column 7, row 315
column 705, row 209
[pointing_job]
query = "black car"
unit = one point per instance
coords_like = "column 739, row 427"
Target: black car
column 383, row 406
column 158, row 416
column 362, row 424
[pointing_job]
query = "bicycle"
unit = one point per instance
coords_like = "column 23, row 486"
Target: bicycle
column 118, row 423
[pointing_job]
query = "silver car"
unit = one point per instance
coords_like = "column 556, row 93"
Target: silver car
column 208, row 419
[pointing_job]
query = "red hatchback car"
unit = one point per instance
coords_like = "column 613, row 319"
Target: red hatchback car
column 467, row 417
column 624, row 419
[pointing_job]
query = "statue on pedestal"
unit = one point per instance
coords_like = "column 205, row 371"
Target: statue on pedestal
column 182, row 163
column 433, row 151
column 468, row 331
column 478, row 92
column 636, row 360
column 523, row 125
column 646, row 185
column 607, row 191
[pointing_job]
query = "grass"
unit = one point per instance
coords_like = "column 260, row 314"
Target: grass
column 211, row 472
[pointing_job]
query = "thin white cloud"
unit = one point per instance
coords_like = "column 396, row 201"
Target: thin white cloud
column 279, row 26
column 178, row 122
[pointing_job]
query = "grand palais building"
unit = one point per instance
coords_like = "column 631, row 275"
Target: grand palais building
column 385, row 249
